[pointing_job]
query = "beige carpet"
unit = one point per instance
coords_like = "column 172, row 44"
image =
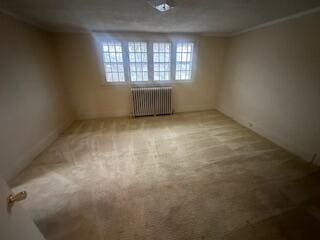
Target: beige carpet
column 186, row 176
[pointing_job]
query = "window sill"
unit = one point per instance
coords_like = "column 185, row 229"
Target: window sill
column 147, row 84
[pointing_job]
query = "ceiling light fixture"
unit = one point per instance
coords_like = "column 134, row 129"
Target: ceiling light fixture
column 161, row 5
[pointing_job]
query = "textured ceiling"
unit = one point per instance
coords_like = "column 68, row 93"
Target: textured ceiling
column 219, row 17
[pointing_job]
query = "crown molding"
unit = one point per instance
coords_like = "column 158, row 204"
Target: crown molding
column 22, row 19
column 273, row 22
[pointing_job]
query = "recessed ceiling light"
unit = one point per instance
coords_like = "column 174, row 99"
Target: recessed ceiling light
column 161, row 5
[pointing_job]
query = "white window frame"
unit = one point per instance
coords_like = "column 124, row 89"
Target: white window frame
column 170, row 60
column 105, row 62
column 129, row 63
column 151, row 81
column 192, row 61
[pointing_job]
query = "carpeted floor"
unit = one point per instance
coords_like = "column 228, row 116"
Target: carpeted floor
column 185, row 176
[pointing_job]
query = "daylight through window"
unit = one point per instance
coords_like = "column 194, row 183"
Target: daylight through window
column 113, row 61
column 146, row 61
column 138, row 59
column 161, row 61
column 184, row 61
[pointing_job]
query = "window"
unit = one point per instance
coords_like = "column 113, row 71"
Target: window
column 138, row 59
column 161, row 61
column 184, row 61
column 113, row 61
column 147, row 61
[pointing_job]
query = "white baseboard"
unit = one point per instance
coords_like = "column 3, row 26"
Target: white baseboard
column 192, row 108
column 24, row 159
column 273, row 136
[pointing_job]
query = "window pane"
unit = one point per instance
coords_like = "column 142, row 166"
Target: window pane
column 105, row 48
column 144, row 57
column 111, row 48
column 156, row 67
column 118, row 48
column 161, row 57
column 179, row 47
column 189, row 65
column 178, row 76
column 137, row 47
column 178, row 57
column 119, row 57
column 162, row 75
column 120, row 68
column 155, row 47
column 107, row 67
column 156, row 76
column 145, row 67
column 156, row 57
column 167, row 57
column 113, row 61
column 167, row 67
column 109, row 77
column 131, row 47
column 183, row 75
column 139, row 75
column 133, row 76
column 167, row 76
column 161, row 67
column 131, row 57
column 143, row 47
column 161, row 61
column 105, row 57
column 121, row 75
column 145, row 76
column 184, row 61
column 178, row 66
column 188, row 75
column 138, row 58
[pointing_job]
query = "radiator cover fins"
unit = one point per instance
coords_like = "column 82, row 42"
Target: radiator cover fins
column 148, row 101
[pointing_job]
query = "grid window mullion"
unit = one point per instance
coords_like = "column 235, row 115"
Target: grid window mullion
column 138, row 59
column 112, row 55
column 144, row 61
column 162, row 61
column 184, row 53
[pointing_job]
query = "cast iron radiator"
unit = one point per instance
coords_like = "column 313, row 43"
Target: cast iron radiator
column 151, row 101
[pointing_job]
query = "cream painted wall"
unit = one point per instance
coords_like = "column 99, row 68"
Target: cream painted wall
column 32, row 103
column 272, row 81
column 92, row 99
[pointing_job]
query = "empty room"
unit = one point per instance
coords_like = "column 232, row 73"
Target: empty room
column 160, row 120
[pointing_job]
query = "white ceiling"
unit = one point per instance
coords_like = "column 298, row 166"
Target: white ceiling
column 220, row 17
